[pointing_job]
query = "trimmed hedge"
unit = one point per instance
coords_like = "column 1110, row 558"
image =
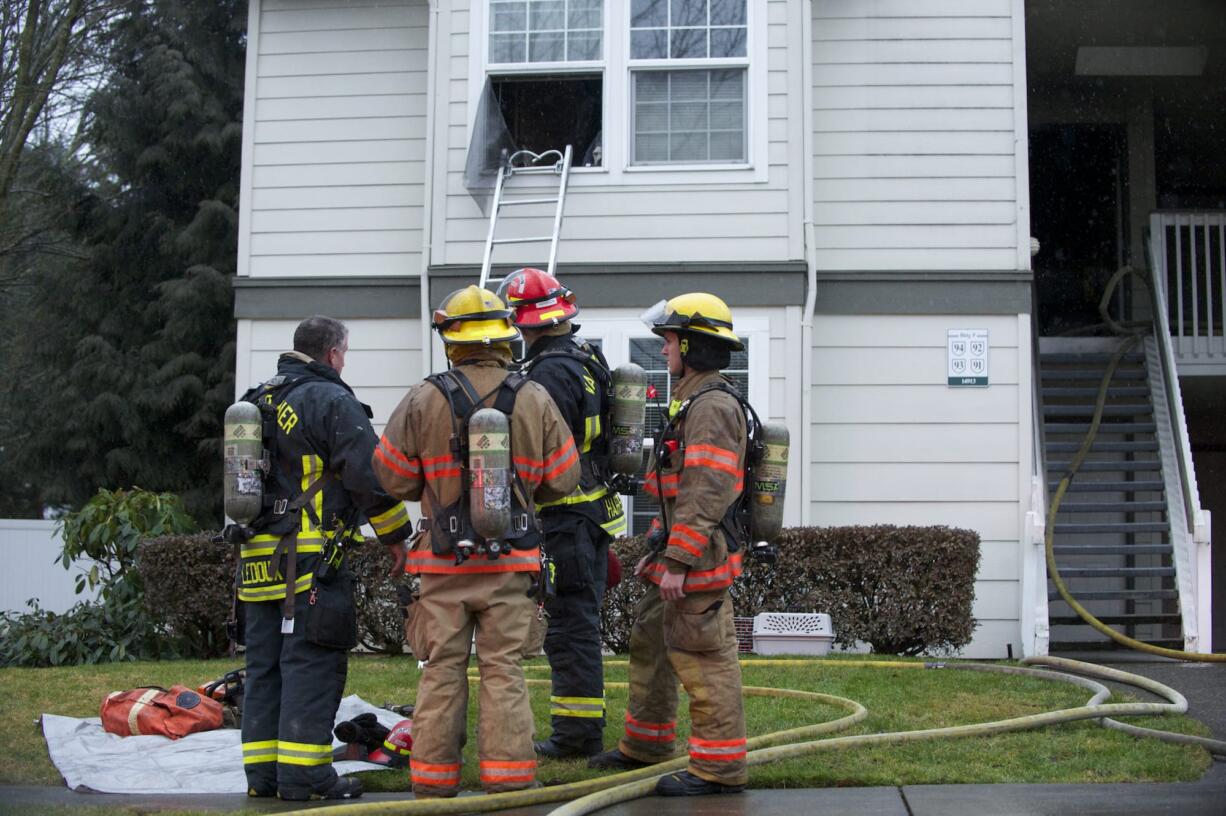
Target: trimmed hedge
column 902, row 590
column 189, row 582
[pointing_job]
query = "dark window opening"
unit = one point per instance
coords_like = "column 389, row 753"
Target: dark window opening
column 548, row 112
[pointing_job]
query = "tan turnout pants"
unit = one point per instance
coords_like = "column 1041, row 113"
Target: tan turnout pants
column 498, row 608
column 692, row 640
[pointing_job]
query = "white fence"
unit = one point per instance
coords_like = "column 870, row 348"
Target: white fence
column 28, row 551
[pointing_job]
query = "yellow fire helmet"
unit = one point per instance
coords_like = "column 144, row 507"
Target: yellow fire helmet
column 697, row 312
column 474, row 316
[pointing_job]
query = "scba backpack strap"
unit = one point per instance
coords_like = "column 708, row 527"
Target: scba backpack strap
column 452, row 523
column 267, row 396
column 593, row 360
column 735, row 522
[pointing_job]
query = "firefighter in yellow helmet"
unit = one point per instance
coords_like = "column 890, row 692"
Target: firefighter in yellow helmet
column 683, row 627
column 469, row 583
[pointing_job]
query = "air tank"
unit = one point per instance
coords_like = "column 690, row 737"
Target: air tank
column 769, row 484
column 629, row 414
column 489, row 474
column 244, row 462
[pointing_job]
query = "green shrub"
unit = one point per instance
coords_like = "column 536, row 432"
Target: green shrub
column 93, row 632
column 106, row 531
column 189, row 584
column 902, row 590
column 380, row 621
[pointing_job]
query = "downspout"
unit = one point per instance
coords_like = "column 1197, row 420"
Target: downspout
column 806, row 318
column 428, row 190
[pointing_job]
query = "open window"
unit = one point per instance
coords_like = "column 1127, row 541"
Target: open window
column 549, row 111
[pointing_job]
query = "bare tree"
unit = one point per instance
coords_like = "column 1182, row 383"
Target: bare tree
column 48, row 57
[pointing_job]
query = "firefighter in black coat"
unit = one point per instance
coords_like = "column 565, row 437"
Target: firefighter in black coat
column 319, row 491
column 578, row 528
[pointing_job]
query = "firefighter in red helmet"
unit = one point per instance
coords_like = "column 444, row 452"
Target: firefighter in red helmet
column 577, row 528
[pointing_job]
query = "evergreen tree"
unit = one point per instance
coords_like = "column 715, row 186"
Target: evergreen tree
column 128, row 356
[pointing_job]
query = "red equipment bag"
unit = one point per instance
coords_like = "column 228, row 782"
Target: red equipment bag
column 174, row 712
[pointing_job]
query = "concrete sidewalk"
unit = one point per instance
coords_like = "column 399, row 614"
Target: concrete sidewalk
column 1205, row 797
column 1203, row 684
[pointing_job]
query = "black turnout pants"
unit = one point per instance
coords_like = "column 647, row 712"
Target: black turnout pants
column 580, row 549
column 292, row 692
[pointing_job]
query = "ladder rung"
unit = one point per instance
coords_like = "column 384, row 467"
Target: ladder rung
column 518, row 201
column 533, row 240
column 536, row 171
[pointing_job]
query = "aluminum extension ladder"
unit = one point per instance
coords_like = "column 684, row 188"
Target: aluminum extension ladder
column 525, row 162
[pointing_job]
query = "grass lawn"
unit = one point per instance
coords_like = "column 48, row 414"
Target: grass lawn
column 896, row 699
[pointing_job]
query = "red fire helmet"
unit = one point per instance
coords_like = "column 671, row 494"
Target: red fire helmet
column 536, row 299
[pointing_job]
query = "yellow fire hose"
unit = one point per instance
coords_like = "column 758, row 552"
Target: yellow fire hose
column 1131, row 336
column 589, row 795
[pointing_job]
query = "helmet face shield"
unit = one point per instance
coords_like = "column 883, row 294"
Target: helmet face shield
column 656, row 315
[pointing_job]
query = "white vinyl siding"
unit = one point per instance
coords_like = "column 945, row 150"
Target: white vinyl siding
column 384, row 358
column 893, row 444
column 334, row 142
column 633, row 214
column 916, row 135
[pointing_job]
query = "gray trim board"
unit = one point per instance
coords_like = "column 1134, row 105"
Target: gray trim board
column 640, row 285
column 917, row 293
column 340, row 297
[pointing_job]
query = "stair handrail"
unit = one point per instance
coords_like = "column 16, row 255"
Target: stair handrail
column 1196, row 516
column 1036, row 518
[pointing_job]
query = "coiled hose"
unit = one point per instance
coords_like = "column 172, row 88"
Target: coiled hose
column 590, row 795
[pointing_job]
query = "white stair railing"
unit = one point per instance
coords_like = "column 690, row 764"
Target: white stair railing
column 1190, row 530
column 1189, row 265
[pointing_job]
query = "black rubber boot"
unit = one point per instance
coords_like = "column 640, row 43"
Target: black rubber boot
column 615, row 760
column 344, row 788
column 549, row 748
column 684, row 783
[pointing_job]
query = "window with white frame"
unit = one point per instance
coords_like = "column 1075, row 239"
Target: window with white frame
column 624, row 339
column 546, row 70
column 689, row 81
column 546, row 30
column 678, row 70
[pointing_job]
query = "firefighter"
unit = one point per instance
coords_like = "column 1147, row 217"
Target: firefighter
column 467, row 583
column 577, row 528
column 683, row 627
column 320, row 489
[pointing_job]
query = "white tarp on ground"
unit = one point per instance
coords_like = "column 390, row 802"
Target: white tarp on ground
column 90, row 759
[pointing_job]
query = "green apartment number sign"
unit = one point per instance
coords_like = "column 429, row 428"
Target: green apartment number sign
column 967, row 358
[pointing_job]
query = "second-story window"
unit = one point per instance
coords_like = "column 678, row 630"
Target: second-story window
column 546, row 70
column 546, row 30
column 689, row 76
